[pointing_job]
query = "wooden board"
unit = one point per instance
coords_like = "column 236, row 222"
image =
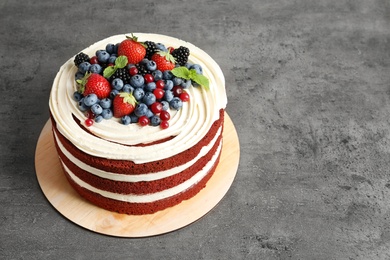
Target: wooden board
column 78, row 210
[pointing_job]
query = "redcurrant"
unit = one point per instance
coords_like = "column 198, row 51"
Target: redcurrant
column 164, row 115
column 184, row 96
column 133, row 70
column 143, row 121
column 94, row 60
column 160, row 84
column 156, row 107
column 88, row 122
column 164, row 124
column 159, row 93
column 148, row 78
column 177, row 90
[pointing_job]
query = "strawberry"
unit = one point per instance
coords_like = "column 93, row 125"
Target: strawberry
column 123, row 104
column 94, row 83
column 132, row 49
column 164, row 60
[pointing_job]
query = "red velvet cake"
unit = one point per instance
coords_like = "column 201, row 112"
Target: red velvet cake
column 138, row 121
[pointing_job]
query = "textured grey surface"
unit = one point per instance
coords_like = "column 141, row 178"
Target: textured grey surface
column 308, row 86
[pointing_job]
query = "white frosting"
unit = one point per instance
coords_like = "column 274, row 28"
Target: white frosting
column 189, row 125
column 154, row 196
column 138, row 177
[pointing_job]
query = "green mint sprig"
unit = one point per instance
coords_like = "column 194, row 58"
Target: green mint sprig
column 185, row 73
column 120, row 63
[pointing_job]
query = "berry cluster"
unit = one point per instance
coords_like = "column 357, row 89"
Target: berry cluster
column 133, row 81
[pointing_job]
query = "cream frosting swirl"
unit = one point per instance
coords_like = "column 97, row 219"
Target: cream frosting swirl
column 113, row 140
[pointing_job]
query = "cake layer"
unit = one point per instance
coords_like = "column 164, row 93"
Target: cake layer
column 141, row 183
column 141, row 208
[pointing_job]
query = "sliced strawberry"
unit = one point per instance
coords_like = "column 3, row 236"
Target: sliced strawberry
column 132, row 49
column 123, row 104
column 164, row 60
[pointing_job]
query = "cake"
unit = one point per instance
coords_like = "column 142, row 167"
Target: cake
column 138, row 148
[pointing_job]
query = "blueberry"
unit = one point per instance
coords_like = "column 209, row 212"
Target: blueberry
column 102, row 56
column 134, row 118
column 113, row 93
column 177, row 81
column 141, row 109
column 168, row 84
column 144, row 61
column 168, row 95
column 105, row 103
column 110, row 48
column 128, row 88
column 96, row 109
column 176, row 103
column 77, row 96
column 197, row 68
column 126, row 120
column 161, row 47
column 188, row 65
column 137, row 81
column 186, row 83
column 167, row 74
column 84, row 67
column 78, row 75
column 98, row 118
column 90, row 99
column 151, row 65
column 138, row 93
column 155, row 120
column 117, row 84
column 96, row 68
column 149, row 113
column 157, row 74
column 107, row 113
column 82, row 106
column 149, row 98
column 112, row 58
column 165, row 105
column 150, row 86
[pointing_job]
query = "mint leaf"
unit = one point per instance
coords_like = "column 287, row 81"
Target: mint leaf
column 181, row 72
column 109, row 71
column 121, row 62
column 201, row 80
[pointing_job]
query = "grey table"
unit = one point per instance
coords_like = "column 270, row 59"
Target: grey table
column 309, row 93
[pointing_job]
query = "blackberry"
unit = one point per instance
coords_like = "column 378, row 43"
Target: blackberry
column 142, row 70
column 151, row 48
column 123, row 74
column 80, row 58
column 181, row 55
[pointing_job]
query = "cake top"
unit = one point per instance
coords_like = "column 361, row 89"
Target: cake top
column 127, row 95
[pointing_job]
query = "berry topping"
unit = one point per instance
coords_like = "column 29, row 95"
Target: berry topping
column 132, row 49
column 123, row 104
column 164, row 60
column 143, row 121
column 138, row 82
column 164, row 124
column 88, row 122
column 185, row 97
column 94, row 83
column 80, row 58
column 181, row 55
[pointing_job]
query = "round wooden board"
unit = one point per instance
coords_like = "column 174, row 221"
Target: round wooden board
column 71, row 205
